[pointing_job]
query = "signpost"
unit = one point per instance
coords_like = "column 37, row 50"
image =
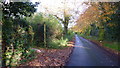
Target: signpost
column 44, row 34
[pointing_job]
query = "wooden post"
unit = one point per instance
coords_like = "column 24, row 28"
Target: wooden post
column 44, row 34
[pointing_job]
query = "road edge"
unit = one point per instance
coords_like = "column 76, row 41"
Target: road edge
column 67, row 60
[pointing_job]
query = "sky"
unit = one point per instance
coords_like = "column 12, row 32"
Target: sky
column 75, row 8
column 55, row 7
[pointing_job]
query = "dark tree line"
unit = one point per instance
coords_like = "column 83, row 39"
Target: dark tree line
column 15, row 30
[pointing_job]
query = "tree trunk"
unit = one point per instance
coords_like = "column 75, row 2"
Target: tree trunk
column 3, row 54
column 65, row 27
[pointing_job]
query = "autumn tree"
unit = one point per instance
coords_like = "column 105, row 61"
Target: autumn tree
column 103, row 15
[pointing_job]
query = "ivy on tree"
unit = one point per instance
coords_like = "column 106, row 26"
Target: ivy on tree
column 14, row 11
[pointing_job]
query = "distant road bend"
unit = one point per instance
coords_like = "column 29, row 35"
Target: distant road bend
column 86, row 53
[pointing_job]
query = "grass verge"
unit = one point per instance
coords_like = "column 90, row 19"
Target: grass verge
column 109, row 44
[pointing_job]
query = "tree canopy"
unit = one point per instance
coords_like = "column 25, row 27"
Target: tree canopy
column 105, row 16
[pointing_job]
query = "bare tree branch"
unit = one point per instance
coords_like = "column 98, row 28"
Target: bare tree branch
column 58, row 18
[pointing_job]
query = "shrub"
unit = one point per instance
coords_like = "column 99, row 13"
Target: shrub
column 19, row 36
column 53, row 28
column 56, row 43
column 69, row 35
